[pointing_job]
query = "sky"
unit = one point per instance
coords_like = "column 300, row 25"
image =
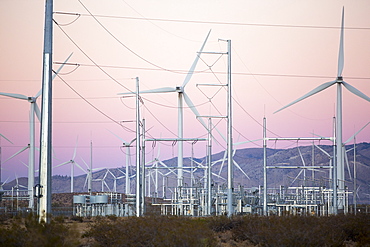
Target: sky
column 280, row 51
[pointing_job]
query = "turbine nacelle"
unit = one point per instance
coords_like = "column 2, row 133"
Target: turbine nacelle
column 31, row 99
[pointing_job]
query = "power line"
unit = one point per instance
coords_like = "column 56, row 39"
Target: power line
column 211, row 22
column 219, row 72
column 125, row 46
column 93, row 106
column 91, row 58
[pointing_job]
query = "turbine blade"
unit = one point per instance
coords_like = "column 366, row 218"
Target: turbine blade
column 355, row 91
column 157, row 90
column 216, row 175
column 86, row 179
column 350, row 139
column 80, row 167
column 193, row 109
column 38, row 94
column 61, row 66
column 111, row 173
column 22, row 186
column 6, row 138
column 312, row 92
column 244, row 142
column 219, row 132
column 237, row 165
column 64, row 163
column 223, row 162
column 300, row 154
column 347, row 163
column 24, row 164
column 296, row 177
column 37, row 112
column 105, row 183
column 74, row 153
column 15, row 95
column 322, row 150
column 105, row 175
column 124, row 142
column 341, row 49
column 85, row 164
column 6, row 180
column 20, row 151
column 192, row 68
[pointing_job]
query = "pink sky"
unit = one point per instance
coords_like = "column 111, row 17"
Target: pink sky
column 282, row 46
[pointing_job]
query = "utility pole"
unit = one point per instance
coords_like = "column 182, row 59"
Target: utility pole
column 230, row 170
column 209, row 168
column 138, row 158
column 46, row 118
column 264, row 169
column 142, row 206
column 334, row 172
column 89, row 185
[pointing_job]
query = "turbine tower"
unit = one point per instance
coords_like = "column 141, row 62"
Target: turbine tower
column 339, row 82
column 181, row 96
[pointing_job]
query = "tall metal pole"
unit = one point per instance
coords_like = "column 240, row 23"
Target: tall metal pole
column 127, row 189
column 89, row 185
column 72, row 176
column 31, row 168
column 209, row 169
column 46, row 118
column 335, row 168
column 142, row 207
column 354, row 176
column 230, row 175
column 339, row 145
column 264, row 169
column 180, row 144
column 138, row 158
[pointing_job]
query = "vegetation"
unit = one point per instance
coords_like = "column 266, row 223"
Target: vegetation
column 296, row 230
column 151, row 231
column 341, row 230
column 27, row 231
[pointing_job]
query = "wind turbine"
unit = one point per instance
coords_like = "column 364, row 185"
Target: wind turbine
column 180, row 90
column 72, row 162
column 115, row 180
column 128, row 159
column 1, row 135
column 103, row 180
column 34, row 109
column 339, row 82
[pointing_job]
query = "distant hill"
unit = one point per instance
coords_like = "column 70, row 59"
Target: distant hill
column 250, row 161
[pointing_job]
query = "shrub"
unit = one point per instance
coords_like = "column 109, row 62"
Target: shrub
column 151, row 231
column 29, row 232
column 303, row 230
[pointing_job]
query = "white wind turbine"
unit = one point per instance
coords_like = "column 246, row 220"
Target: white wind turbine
column 72, row 162
column 115, row 180
column 128, row 160
column 102, row 180
column 34, row 109
column 181, row 96
column 339, row 82
column 89, row 176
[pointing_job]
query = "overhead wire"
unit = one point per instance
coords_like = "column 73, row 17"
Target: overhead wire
column 92, row 105
column 78, row 47
column 215, row 22
column 120, row 42
column 159, row 67
column 164, row 30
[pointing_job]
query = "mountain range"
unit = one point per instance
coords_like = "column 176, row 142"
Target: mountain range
column 250, row 174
